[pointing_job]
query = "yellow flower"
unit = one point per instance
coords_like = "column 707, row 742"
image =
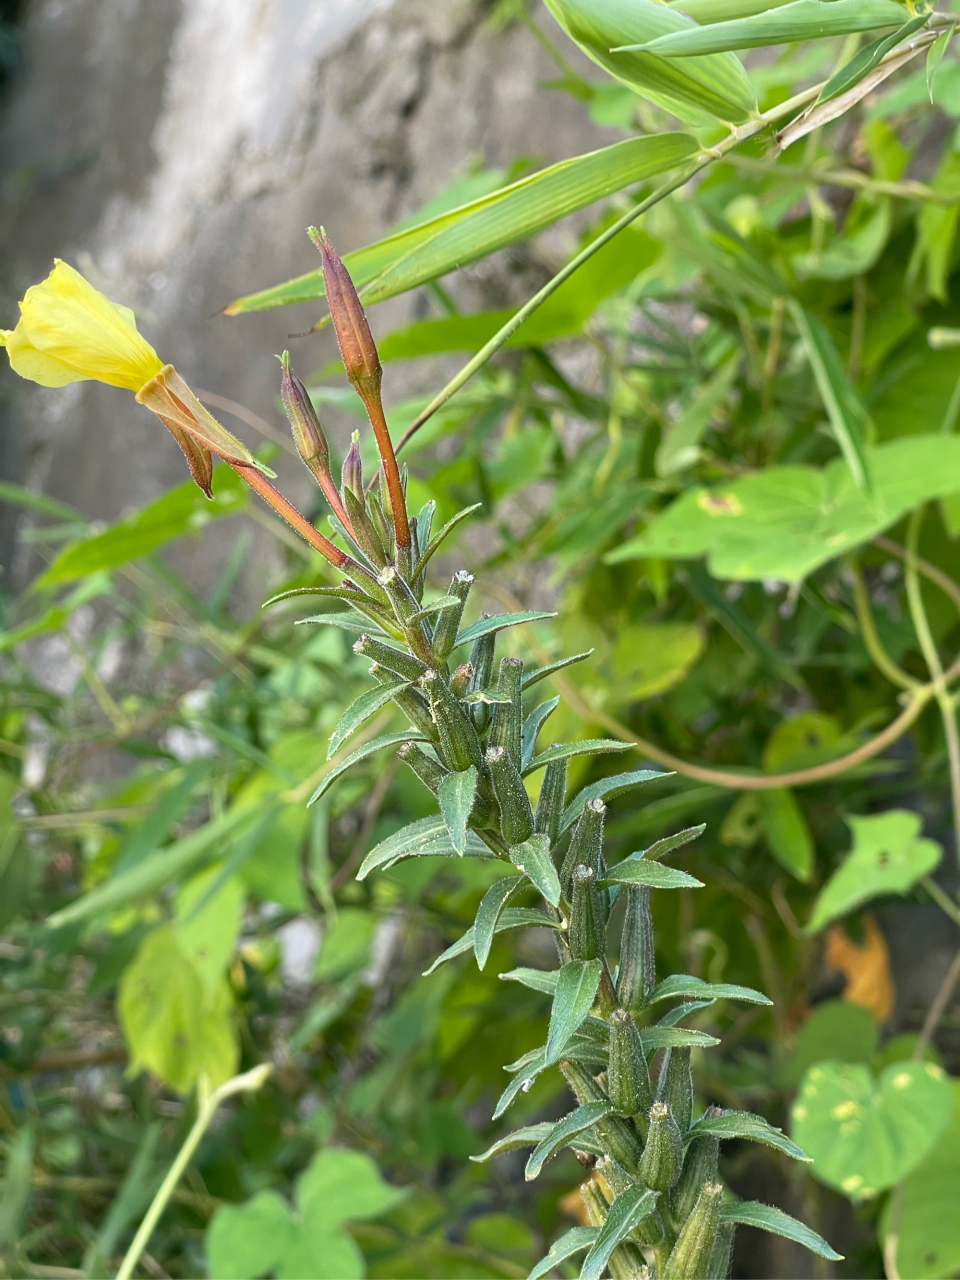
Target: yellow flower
column 69, row 332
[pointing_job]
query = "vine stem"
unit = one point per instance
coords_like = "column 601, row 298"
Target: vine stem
column 250, row 1081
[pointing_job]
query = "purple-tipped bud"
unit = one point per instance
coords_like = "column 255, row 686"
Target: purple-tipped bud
column 352, row 474
column 307, row 432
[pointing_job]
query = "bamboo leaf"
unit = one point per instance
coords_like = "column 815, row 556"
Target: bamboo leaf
column 863, row 62
column 573, row 1241
column 741, row 1124
column 935, row 56
column 452, row 240
column 566, row 750
column 751, row 1213
column 488, row 913
column 801, row 20
column 706, row 12
column 361, row 753
column 627, row 1212
column 456, row 795
column 532, row 858
column 576, row 991
column 362, row 709
column 585, row 1117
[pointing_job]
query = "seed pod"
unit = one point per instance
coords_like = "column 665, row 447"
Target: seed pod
column 460, row 680
column 459, row 746
column 516, row 812
column 428, row 770
column 364, row 531
column 550, row 803
column 585, row 936
column 663, row 1154
column 481, row 659
column 699, row 1167
column 395, row 661
column 506, row 718
column 619, row 1138
column 594, row 1203
column 721, row 1255
column 628, row 1077
column 411, row 703
column 637, row 975
column 651, row 1231
column 448, row 622
column 690, row 1258
column 405, row 606
column 586, row 845
column 675, row 1086
column 613, row 1176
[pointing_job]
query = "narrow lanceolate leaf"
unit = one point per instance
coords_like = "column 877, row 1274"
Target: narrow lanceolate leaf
column 427, row 838
column 457, row 794
column 576, row 991
column 573, row 1241
column 533, row 859
column 532, row 726
column 346, row 621
column 660, row 848
column 566, row 750
column 528, row 1137
column 660, row 1037
column 562, row 1132
column 520, row 1083
column 627, row 1212
column 452, row 240
column 511, row 918
column 361, row 753
column 684, row 984
column 499, row 622
column 362, row 709
column 751, row 1213
column 848, row 416
column 862, row 63
column 707, row 11
column 606, row 789
column 801, row 20
column 654, row 874
column 437, row 541
column 541, row 673
column 675, row 1016
column 935, row 56
column 544, row 980
column 488, row 913
column 741, row 1124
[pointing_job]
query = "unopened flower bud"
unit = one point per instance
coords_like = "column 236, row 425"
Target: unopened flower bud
column 690, row 1257
column 428, row 770
column 399, row 663
column 308, row 436
column 618, row 1137
column 663, row 1153
column 357, row 347
column 481, row 659
column 699, row 1167
column 553, row 794
column 506, row 725
column 448, row 623
column 460, row 680
column 459, row 746
column 721, row 1255
column 585, row 937
column 351, row 475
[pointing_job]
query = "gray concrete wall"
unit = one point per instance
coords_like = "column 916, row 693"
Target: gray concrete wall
column 175, row 150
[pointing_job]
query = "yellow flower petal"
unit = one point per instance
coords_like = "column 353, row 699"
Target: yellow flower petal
column 70, row 321
column 36, row 366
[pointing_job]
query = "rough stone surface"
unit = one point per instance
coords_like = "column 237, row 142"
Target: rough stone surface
column 174, row 150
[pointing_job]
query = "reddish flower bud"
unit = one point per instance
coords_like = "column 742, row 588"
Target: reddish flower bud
column 309, row 437
column 352, row 474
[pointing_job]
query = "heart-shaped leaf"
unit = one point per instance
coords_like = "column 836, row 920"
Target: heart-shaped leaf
column 865, row 1135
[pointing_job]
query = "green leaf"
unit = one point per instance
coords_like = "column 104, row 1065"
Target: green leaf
column 837, row 1029
column 935, row 56
column 499, row 621
column 520, row 1082
column 340, row 1185
column 208, row 924
column 577, row 986
column 889, row 856
column 801, row 20
column 863, row 62
column 532, row 858
column 245, row 1241
column 361, row 753
column 541, row 673
column 427, row 838
column 751, row 1213
column 532, row 726
column 683, row 984
column 17, row 496
column 456, row 795
column 573, row 1241
column 705, row 12
column 614, row 785
column 660, row 848
column 153, row 872
column 174, row 1027
column 852, row 253
column 787, row 833
column 16, row 1185
column 708, row 90
column 567, row 750
column 784, row 522
column 650, row 658
column 544, row 980
column 666, row 1037
column 680, row 448
column 510, row 918
column 637, row 870
column 182, row 510
column 527, row 1137
column 846, row 411
column 346, row 621
column 488, row 913
column 741, row 1124
column 562, row 1132
column 362, row 709
column 928, row 1240
column 455, row 239
column 627, row 1212
column 736, row 623
column 865, row 1134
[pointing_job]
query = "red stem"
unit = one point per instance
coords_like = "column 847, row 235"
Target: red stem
column 391, row 468
column 294, row 519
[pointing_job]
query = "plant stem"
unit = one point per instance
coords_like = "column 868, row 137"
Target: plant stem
column 942, row 899
column 936, row 1011
column 881, row 659
column 208, row 1104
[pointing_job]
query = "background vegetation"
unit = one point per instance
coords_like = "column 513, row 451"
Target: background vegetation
column 168, row 902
